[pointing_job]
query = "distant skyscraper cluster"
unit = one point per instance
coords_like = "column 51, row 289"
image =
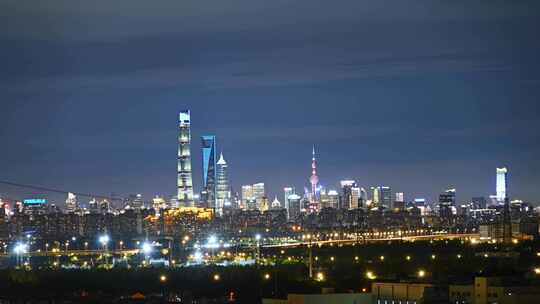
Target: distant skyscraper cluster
column 217, row 192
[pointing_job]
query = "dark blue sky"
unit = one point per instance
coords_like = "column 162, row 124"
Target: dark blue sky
column 418, row 95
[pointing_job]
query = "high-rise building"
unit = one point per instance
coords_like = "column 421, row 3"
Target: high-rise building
column 137, row 201
column 447, row 202
column 355, row 198
column 287, row 191
column 223, row 191
column 375, row 197
column 347, row 195
column 259, row 194
column 381, row 196
column 71, row 203
column 501, row 186
column 295, row 205
column 247, row 194
column 265, row 204
column 208, row 197
column 185, row 179
column 333, row 199
column 400, row 197
column 159, row 203
column 386, row 196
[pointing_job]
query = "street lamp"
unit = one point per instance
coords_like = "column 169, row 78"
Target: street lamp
column 104, row 241
column 370, row 275
column 20, row 249
column 258, row 239
column 421, row 273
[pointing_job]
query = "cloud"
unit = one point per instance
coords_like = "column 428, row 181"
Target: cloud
column 275, row 68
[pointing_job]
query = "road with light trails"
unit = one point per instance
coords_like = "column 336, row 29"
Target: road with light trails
column 397, row 238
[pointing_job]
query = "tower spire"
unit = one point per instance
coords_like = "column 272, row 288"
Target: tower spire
column 314, row 179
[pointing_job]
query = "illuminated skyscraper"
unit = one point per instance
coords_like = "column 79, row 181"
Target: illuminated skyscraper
column 386, row 196
column 447, row 201
column 288, row 191
column 501, row 184
column 375, row 197
column 209, row 170
column 259, row 194
column 71, row 203
column 381, row 196
column 347, row 194
column 247, row 195
column 295, row 201
column 185, row 179
column 223, row 191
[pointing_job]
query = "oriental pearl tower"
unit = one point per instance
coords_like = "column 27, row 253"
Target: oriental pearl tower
column 314, row 180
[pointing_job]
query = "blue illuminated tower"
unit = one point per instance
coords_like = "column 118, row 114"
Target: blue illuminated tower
column 209, row 170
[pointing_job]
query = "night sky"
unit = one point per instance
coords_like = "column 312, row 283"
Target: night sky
column 420, row 95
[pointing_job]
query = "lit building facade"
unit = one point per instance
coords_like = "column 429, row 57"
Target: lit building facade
column 287, row 191
column 259, row 194
column 71, row 203
column 346, row 194
column 295, row 207
column 223, row 191
column 501, row 184
column 209, row 170
column 185, row 178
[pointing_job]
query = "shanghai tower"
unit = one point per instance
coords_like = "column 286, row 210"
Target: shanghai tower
column 185, row 180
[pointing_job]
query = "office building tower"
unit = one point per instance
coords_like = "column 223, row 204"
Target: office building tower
column 185, row 179
column 447, row 202
column 355, row 198
column 265, row 205
column 346, row 201
column 287, row 191
column 208, row 194
column 247, row 194
column 381, row 196
column 71, row 203
column 501, row 184
column 400, row 197
column 332, row 199
column 258, row 194
column 159, row 203
column 136, row 201
column 375, row 197
column 386, row 196
column 399, row 202
column 295, row 205
column 223, row 193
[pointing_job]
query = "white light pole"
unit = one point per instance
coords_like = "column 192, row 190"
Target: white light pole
column 104, row 241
